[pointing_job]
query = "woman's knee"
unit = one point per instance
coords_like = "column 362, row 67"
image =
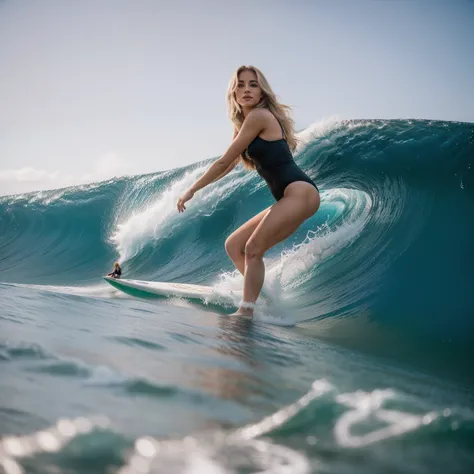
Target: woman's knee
column 253, row 250
column 229, row 245
column 233, row 247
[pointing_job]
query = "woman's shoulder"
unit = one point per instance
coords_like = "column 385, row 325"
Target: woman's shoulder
column 261, row 113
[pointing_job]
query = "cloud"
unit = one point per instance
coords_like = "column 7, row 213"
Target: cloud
column 27, row 179
column 26, row 174
column 107, row 166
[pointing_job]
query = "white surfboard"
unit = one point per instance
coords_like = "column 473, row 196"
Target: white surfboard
column 183, row 290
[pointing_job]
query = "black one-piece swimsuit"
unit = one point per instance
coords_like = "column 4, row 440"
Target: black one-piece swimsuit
column 275, row 164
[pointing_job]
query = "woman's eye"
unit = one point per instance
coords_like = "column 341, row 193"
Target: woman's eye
column 240, row 86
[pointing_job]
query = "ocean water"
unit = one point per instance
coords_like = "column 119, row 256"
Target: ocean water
column 362, row 363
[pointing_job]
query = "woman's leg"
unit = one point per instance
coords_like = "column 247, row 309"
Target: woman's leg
column 301, row 200
column 235, row 243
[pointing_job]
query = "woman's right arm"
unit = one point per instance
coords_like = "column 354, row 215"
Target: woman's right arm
column 228, row 170
column 254, row 123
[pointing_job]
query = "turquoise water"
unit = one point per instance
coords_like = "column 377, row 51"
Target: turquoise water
column 363, row 364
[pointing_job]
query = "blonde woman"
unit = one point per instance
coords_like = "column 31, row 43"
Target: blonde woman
column 264, row 139
column 117, row 271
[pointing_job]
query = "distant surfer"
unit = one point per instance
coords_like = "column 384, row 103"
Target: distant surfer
column 264, row 139
column 117, row 272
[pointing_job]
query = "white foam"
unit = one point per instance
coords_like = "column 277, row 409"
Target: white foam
column 366, row 406
column 51, row 439
column 159, row 217
column 316, row 130
column 97, row 291
column 241, row 449
column 217, row 455
column 298, row 264
column 270, row 423
column 295, row 266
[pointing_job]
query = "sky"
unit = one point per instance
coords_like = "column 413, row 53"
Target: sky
column 93, row 89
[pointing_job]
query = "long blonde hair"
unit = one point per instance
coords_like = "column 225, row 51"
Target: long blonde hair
column 269, row 101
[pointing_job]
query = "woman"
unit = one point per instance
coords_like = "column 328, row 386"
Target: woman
column 117, row 272
column 263, row 140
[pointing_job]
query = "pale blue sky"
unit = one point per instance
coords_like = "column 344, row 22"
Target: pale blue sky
column 93, row 88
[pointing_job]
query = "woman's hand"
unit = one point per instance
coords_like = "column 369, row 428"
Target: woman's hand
column 184, row 198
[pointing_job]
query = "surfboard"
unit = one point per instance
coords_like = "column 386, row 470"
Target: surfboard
column 156, row 288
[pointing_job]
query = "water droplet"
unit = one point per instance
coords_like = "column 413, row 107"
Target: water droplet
column 145, row 447
column 427, row 419
column 139, row 465
column 66, row 428
column 47, row 441
column 13, row 446
column 83, row 425
column 10, row 466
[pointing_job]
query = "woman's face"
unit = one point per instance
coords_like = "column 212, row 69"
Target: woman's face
column 248, row 93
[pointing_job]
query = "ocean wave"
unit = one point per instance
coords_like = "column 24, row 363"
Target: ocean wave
column 358, row 421
column 389, row 247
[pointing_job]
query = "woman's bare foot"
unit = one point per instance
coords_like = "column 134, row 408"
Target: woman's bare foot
column 247, row 312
